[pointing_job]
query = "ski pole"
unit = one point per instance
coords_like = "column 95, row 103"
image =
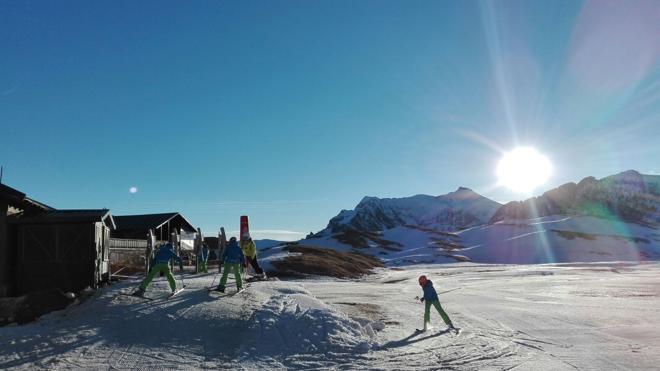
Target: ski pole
column 214, row 278
column 183, row 283
column 444, row 292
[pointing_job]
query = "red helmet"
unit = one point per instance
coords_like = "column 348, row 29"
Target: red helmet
column 422, row 280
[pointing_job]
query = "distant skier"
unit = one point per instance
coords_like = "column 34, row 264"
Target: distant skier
column 250, row 251
column 161, row 264
column 431, row 298
column 233, row 259
column 203, row 259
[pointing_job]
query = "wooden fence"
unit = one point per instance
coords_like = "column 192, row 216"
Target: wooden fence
column 123, row 243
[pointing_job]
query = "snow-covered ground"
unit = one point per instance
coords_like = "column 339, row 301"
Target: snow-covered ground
column 554, row 317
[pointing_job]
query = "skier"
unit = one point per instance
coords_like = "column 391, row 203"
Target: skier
column 250, row 251
column 233, row 259
column 202, row 266
column 161, row 264
column 431, row 298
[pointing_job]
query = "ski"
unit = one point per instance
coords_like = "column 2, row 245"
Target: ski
column 135, row 296
column 227, row 294
column 454, row 330
column 257, row 279
column 176, row 292
column 237, row 292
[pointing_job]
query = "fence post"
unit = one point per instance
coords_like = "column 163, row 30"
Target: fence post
column 198, row 245
column 175, row 243
column 151, row 241
column 222, row 244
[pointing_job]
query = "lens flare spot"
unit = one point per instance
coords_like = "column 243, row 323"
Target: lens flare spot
column 523, row 169
column 133, row 190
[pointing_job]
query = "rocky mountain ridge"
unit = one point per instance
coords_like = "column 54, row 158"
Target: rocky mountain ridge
column 457, row 210
column 628, row 196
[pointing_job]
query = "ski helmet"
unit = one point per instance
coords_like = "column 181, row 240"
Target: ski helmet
column 422, row 280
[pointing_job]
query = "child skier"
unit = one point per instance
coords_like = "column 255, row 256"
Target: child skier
column 233, row 259
column 161, row 264
column 202, row 266
column 431, row 298
column 250, row 251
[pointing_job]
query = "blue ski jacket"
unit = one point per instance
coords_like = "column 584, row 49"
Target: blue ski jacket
column 165, row 254
column 429, row 291
column 204, row 253
column 233, row 254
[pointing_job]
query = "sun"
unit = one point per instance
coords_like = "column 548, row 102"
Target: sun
column 523, row 169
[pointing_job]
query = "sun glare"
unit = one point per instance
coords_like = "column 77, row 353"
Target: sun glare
column 523, row 169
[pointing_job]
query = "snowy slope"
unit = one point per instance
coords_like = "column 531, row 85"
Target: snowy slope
column 561, row 239
column 541, row 317
column 456, row 210
column 413, row 246
column 551, row 239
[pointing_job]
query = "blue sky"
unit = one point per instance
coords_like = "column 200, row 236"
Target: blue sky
column 289, row 111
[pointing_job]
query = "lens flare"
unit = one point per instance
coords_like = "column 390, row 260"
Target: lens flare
column 523, row 169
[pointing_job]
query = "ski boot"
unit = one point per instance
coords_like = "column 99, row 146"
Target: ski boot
column 139, row 292
column 220, row 289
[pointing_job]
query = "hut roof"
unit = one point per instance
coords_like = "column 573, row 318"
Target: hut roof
column 69, row 216
column 150, row 221
column 18, row 200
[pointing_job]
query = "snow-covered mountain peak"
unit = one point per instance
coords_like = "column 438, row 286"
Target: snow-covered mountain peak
column 462, row 193
column 453, row 211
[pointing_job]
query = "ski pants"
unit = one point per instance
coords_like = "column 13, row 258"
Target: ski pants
column 163, row 268
column 438, row 307
column 237, row 274
column 255, row 264
column 202, row 267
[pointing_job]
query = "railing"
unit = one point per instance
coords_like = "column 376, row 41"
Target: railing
column 124, row 243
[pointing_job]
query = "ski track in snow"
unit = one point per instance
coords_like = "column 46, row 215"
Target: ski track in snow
column 547, row 317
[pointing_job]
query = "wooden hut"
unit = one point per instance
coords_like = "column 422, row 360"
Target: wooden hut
column 41, row 247
column 65, row 249
column 12, row 203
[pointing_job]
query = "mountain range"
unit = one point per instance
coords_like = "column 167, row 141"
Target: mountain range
column 456, row 210
column 628, row 196
column 613, row 218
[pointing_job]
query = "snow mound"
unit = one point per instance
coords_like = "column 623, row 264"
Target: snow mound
column 292, row 329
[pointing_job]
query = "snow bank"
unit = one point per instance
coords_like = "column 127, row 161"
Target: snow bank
column 292, row 321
